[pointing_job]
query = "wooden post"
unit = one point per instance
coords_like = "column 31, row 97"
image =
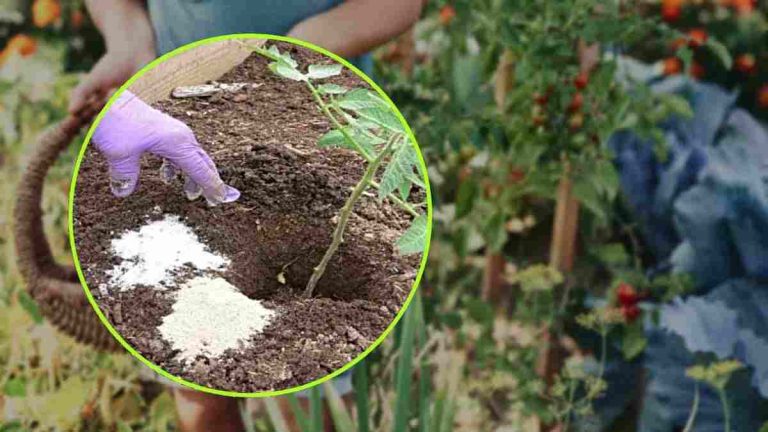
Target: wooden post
column 493, row 281
column 563, row 248
column 562, row 255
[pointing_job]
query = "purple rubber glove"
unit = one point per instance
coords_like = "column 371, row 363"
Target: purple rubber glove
column 131, row 127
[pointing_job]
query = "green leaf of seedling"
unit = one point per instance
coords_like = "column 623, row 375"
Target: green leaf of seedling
column 371, row 108
column 414, row 238
column 334, row 138
column 405, row 189
column 365, row 139
column 384, row 117
column 282, row 57
column 320, row 71
column 361, row 99
column 328, row 89
column 398, row 171
column 286, row 71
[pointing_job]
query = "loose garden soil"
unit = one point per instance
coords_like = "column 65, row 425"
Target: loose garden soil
column 263, row 141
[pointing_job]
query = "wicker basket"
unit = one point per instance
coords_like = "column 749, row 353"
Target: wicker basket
column 56, row 287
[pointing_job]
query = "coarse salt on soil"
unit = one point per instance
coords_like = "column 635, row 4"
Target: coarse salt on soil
column 209, row 317
column 151, row 254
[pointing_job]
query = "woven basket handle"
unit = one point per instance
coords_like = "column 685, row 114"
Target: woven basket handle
column 54, row 287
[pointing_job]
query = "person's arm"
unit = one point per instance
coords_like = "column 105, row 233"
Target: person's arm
column 357, row 26
column 130, row 44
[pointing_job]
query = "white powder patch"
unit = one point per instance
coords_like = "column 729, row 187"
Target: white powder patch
column 151, row 253
column 210, row 316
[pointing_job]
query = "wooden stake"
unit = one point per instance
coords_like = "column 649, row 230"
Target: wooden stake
column 493, row 281
column 563, row 248
column 562, row 255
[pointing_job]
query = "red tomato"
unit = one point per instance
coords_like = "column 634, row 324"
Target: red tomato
column 745, row 64
column 697, row 37
column 77, row 18
column 631, row 312
column 626, row 294
column 762, row 96
column 516, row 175
column 678, row 43
column 576, row 103
column 447, row 14
column 744, row 7
column 698, row 71
column 22, row 44
column 672, row 66
column 539, row 120
column 671, row 10
column 581, row 81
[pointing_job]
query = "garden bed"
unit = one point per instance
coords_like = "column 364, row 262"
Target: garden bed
column 263, row 140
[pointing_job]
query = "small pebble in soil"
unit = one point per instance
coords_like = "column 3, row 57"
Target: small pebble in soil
column 211, row 316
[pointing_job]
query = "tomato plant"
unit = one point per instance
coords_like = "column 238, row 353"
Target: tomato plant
column 365, row 123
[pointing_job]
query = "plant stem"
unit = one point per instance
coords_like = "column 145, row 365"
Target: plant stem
column 569, row 410
column 324, row 107
column 726, row 409
column 400, row 203
column 694, row 411
column 344, row 215
column 336, row 123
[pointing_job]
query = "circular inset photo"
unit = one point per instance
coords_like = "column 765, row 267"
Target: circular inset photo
column 250, row 215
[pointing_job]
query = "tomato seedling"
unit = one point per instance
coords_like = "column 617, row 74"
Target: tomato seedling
column 366, row 123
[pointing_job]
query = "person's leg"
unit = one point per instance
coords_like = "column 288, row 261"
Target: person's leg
column 198, row 411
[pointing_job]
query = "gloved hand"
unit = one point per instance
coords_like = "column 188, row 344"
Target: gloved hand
column 131, row 127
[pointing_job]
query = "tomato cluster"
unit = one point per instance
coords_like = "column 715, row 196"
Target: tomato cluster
column 748, row 58
column 628, row 299
column 574, row 108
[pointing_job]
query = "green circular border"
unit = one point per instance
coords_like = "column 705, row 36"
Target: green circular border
column 128, row 347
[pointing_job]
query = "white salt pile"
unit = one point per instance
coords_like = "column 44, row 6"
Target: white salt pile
column 151, row 254
column 210, row 316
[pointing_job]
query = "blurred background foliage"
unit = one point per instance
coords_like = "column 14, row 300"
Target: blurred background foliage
column 508, row 99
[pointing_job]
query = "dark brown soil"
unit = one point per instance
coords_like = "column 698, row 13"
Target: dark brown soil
column 263, row 141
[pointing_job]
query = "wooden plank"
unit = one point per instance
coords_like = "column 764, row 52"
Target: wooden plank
column 195, row 66
column 563, row 248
